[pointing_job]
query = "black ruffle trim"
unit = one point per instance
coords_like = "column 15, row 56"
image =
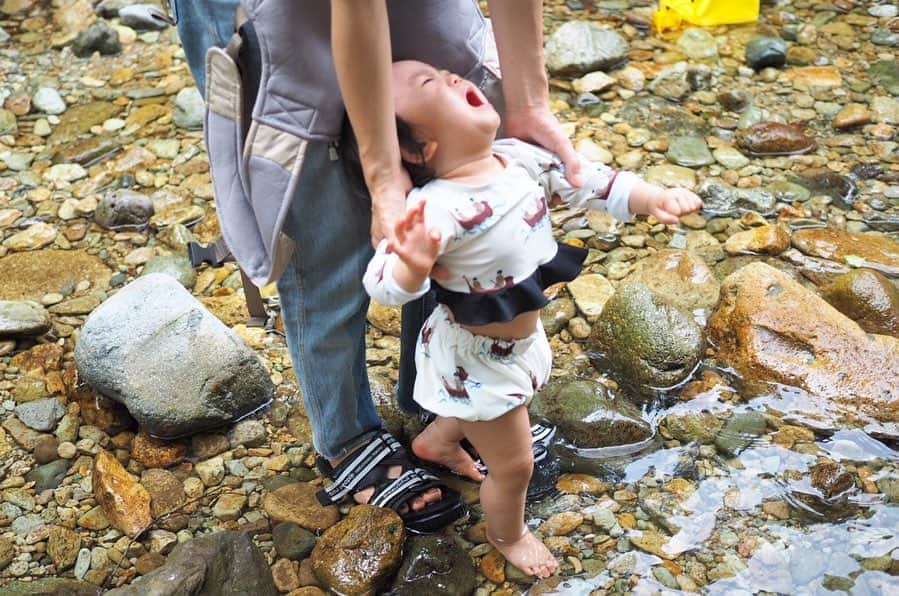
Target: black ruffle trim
column 505, row 304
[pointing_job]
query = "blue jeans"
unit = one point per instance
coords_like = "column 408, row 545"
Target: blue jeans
column 323, row 303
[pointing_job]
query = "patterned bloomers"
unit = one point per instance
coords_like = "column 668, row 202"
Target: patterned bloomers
column 474, row 377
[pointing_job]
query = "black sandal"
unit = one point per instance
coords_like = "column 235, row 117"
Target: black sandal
column 368, row 467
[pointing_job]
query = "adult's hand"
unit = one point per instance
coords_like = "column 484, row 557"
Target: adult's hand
column 537, row 124
column 388, row 206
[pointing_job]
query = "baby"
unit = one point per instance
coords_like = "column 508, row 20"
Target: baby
column 481, row 212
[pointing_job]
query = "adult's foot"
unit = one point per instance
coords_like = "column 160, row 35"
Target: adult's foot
column 435, row 445
column 527, row 553
column 431, row 495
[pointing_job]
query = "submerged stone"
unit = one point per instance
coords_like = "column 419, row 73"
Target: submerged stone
column 774, row 138
column 868, row 298
column 874, row 251
column 434, row 565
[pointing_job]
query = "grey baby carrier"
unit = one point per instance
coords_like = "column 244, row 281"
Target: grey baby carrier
column 273, row 90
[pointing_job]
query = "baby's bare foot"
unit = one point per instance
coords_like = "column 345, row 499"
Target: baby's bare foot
column 430, row 446
column 527, row 553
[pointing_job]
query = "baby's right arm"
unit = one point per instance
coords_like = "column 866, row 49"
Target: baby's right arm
column 399, row 271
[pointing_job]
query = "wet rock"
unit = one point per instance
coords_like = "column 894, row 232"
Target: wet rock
column 873, row 251
column 823, row 77
column 226, row 563
column 190, row 109
column 740, row 430
column 177, row 267
column 831, row 479
column 771, row 329
column 165, row 490
column 682, row 277
column 555, row 315
column 774, row 138
column 691, row 152
column 691, row 425
column 42, row 414
column 434, row 565
column 62, row 546
column 587, row 415
column 854, row 114
column 50, row 586
column 142, row 17
column 666, row 117
column 98, row 37
column 885, row 73
column 562, row 523
column 213, row 377
column 836, row 186
column 767, row 240
column 292, row 541
column 647, row 340
column 765, row 51
column 22, row 319
column 885, row 110
column 730, row 158
column 157, row 453
column 125, row 503
column 579, row 47
column 735, row 100
column 672, row 83
column 297, row 503
column 720, row 198
column 49, row 101
column 86, row 151
column 79, row 119
column 358, row 554
column 591, row 292
column 670, row 175
column 868, row 298
column 250, row 433
column 49, row 475
column 123, row 209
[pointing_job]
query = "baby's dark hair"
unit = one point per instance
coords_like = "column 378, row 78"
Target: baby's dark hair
column 348, row 150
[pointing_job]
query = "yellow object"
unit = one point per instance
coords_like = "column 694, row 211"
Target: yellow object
column 704, row 13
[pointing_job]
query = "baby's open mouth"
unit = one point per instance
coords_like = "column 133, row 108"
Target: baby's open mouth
column 473, row 99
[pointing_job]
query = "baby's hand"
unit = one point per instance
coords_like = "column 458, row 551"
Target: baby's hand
column 416, row 245
column 667, row 205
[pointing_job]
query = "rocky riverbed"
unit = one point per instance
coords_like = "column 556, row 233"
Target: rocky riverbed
column 727, row 390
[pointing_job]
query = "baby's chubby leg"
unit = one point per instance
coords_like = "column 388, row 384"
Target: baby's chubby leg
column 439, row 443
column 505, row 446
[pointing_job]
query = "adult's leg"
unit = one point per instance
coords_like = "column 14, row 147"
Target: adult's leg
column 201, row 25
column 324, row 305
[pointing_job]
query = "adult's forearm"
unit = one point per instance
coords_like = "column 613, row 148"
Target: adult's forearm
column 518, row 27
column 360, row 43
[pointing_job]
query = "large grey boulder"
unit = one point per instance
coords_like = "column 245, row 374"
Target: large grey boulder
column 22, row 318
column 218, row 564
column 579, row 47
column 177, row 368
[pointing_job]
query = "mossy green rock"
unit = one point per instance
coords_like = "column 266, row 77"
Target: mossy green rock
column 434, row 565
column 688, row 426
column 868, row 298
column 739, row 431
column 587, row 415
column 556, row 314
column 647, row 341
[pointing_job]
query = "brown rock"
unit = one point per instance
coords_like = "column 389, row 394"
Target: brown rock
column 165, row 490
column 816, row 76
column 147, row 562
column 855, row 114
column 96, row 410
column 651, row 542
column 775, row 138
column 208, row 445
column 868, row 298
column 306, row 574
column 62, row 546
column 31, row 275
column 477, row 533
column 231, row 309
column 307, row 591
column 562, row 523
column 681, row 276
column 45, row 449
column 877, row 251
column 284, row 572
column 776, row 509
column 359, row 553
column 296, row 502
column 493, row 566
column 767, row 239
column 74, row 16
column 771, row 329
column 385, row 318
column 21, row 434
column 580, row 483
column 39, row 360
column 788, row 435
column 7, row 552
column 124, row 502
column 94, row 519
column 831, row 478
column 157, row 453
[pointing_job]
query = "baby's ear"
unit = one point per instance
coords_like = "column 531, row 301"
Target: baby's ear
column 428, row 150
